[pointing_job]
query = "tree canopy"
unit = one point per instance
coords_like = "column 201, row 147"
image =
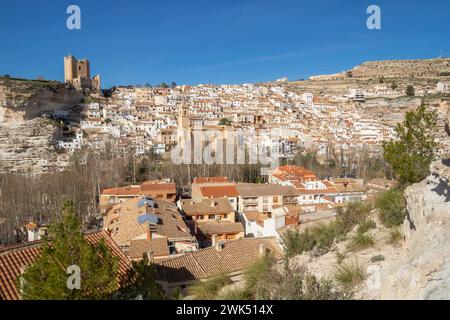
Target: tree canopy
column 225, row 122
column 48, row 277
column 411, row 154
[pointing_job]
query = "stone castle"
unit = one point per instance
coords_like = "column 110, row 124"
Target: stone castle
column 78, row 73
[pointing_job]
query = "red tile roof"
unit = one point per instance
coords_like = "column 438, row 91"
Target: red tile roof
column 148, row 186
column 219, row 191
column 210, row 179
column 14, row 259
column 293, row 173
column 235, row 256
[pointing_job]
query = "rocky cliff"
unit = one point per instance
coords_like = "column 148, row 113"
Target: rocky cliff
column 27, row 99
column 423, row 270
column 417, row 267
column 25, row 137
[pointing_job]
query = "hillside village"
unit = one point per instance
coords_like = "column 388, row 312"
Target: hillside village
column 331, row 116
column 218, row 224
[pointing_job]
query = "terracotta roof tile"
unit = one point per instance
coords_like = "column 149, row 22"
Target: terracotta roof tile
column 216, row 227
column 219, row 191
column 14, row 259
column 210, row 179
column 206, row 206
column 235, row 256
column 122, row 224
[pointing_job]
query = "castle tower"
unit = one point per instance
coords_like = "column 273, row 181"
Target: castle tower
column 78, row 73
column 84, row 69
column 70, row 68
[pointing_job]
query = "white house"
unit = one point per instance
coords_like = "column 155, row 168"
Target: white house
column 442, row 86
column 308, row 98
column 264, row 224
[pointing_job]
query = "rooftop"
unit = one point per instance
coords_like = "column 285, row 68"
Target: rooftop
column 219, row 191
column 123, row 225
column 145, row 187
column 235, row 256
column 14, row 259
column 206, row 206
column 259, row 190
column 210, row 179
column 220, row 227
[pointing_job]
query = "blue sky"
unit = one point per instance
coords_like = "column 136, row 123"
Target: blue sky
column 196, row 41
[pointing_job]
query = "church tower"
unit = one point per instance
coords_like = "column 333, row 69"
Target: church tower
column 183, row 116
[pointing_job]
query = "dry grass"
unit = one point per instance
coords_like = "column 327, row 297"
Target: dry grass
column 349, row 274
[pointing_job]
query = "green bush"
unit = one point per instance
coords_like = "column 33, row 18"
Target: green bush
column 296, row 242
column 410, row 92
column 208, row 289
column 234, row 294
column 256, row 277
column 349, row 274
column 296, row 283
column 324, row 235
column 392, row 207
column 366, row 225
column 347, row 218
column 361, row 241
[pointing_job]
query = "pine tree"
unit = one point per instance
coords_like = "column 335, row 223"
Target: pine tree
column 410, row 155
column 47, row 278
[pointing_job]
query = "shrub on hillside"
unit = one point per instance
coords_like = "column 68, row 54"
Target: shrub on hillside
column 361, row 241
column 208, row 289
column 392, row 207
column 347, row 218
column 350, row 274
column 296, row 283
column 366, row 225
column 257, row 277
column 296, row 242
column 324, row 235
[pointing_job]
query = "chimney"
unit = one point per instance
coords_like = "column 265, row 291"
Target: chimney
column 219, row 245
column 214, row 240
column 149, row 234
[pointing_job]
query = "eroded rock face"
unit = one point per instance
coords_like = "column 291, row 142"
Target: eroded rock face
column 447, row 122
column 423, row 271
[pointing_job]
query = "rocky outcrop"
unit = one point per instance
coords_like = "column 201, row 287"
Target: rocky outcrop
column 423, row 271
column 416, row 268
column 28, row 99
column 26, row 137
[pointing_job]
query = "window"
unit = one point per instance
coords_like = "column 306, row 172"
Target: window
column 199, row 217
column 211, row 217
column 225, row 216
